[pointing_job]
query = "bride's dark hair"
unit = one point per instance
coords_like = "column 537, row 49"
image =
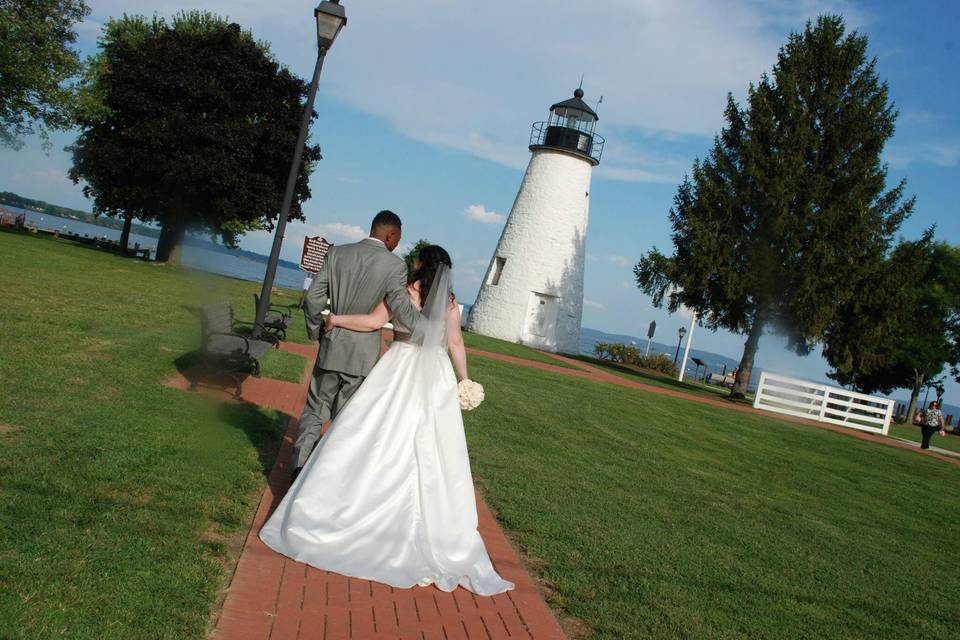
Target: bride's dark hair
column 431, row 257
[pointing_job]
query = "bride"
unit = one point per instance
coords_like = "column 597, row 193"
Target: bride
column 387, row 494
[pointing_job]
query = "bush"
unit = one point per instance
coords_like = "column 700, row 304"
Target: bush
column 659, row 362
column 617, row 352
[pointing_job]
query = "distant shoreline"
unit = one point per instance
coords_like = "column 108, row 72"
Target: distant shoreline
column 39, row 206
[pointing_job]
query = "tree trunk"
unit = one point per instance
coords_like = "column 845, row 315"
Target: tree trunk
column 918, row 380
column 125, row 234
column 168, row 247
column 745, row 370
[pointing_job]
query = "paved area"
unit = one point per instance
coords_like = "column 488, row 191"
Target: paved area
column 274, row 598
column 938, row 450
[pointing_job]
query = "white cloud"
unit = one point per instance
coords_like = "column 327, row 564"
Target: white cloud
column 620, row 261
column 942, row 153
column 594, row 304
column 336, row 231
column 89, row 28
column 471, row 80
column 479, row 213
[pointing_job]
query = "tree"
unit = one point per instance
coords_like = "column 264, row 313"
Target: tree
column 36, row 62
column 411, row 256
column 902, row 330
column 777, row 227
column 190, row 125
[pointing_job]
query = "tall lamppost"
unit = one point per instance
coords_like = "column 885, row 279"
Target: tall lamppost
column 682, row 332
column 330, row 18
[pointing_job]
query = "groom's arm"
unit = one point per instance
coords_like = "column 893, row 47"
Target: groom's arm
column 315, row 300
column 398, row 300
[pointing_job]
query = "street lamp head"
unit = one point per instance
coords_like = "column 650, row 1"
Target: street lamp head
column 330, row 19
column 682, row 332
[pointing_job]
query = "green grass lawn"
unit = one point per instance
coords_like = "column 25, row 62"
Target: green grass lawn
column 282, row 365
column 653, row 517
column 657, row 379
column 119, row 497
column 477, row 341
column 646, row 516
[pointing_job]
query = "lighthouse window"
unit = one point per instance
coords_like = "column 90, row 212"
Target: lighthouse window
column 497, row 271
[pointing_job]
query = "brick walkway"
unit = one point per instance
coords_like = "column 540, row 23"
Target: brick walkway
column 274, row 598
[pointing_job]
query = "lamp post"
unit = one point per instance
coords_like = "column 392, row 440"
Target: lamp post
column 682, row 332
column 330, row 18
column 686, row 351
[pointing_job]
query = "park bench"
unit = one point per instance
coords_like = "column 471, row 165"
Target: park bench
column 719, row 379
column 226, row 352
column 277, row 319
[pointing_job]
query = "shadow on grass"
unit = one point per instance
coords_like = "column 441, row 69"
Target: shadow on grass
column 192, row 367
column 263, row 427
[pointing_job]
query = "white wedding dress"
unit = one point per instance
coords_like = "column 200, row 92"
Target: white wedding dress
column 387, row 494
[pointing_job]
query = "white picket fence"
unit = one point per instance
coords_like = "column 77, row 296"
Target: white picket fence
column 823, row 403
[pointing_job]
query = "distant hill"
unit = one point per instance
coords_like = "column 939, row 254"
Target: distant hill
column 715, row 361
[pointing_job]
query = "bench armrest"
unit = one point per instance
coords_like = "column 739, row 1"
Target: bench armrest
column 282, row 309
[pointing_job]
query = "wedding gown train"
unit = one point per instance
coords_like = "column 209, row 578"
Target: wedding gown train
column 387, row 494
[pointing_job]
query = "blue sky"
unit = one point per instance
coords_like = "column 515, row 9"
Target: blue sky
column 425, row 108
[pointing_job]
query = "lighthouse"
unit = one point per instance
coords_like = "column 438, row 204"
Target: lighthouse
column 532, row 292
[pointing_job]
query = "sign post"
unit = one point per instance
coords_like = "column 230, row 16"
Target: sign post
column 650, row 331
column 311, row 261
column 314, row 254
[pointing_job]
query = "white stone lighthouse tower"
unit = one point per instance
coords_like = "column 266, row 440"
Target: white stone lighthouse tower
column 533, row 290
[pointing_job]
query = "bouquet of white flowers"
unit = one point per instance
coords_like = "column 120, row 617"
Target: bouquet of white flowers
column 471, row 394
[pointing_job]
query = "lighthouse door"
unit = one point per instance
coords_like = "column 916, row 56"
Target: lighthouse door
column 541, row 325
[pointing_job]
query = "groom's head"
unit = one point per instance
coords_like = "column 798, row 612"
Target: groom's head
column 386, row 228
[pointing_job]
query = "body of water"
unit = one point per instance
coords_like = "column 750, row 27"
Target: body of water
column 197, row 257
column 80, row 228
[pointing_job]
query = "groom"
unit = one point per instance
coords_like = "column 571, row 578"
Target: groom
column 355, row 278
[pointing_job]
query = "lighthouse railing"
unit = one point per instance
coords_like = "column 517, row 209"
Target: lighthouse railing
column 538, row 137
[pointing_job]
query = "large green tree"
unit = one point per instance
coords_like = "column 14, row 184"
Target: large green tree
column 776, row 228
column 190, row 124
column 902, row 330
column 36, row 63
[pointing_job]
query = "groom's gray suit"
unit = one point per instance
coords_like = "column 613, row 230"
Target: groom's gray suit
column 355, row 277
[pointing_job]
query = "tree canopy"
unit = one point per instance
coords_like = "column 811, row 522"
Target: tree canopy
column 36, row 63
column 903, row 329
column 778, row 226
column 190, row 124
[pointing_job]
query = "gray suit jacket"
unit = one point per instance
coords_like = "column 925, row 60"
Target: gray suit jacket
column 355, row 277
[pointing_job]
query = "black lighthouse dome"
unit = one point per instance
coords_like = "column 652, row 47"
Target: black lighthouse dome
column 571, row 128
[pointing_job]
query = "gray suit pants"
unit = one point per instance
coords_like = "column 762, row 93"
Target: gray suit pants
column 328, row 393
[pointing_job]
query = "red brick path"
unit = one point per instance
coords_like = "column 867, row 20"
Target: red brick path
column 272, row 597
